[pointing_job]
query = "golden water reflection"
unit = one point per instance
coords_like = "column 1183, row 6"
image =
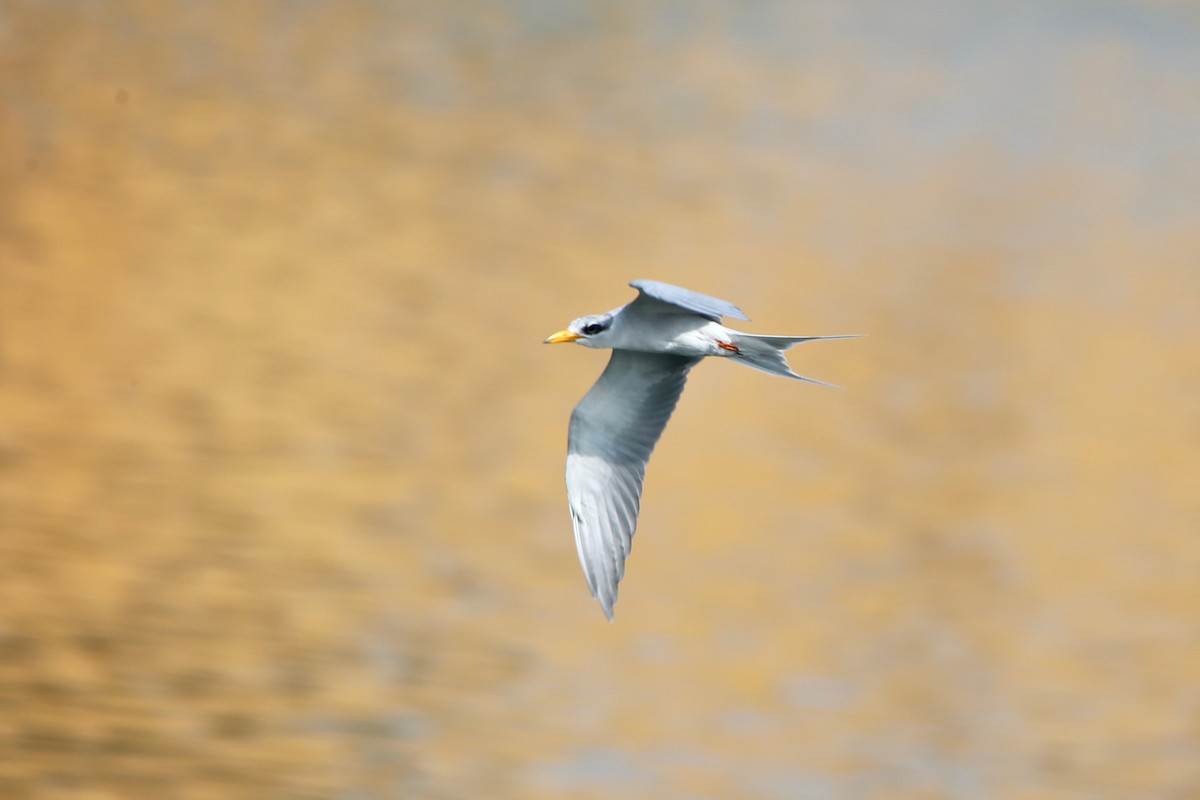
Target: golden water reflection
column 281, row 508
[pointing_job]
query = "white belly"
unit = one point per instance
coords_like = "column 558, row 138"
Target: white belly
column 699, row 342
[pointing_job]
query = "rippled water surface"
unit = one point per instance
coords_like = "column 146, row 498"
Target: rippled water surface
column 281, row 506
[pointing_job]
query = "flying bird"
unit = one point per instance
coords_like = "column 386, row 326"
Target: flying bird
column 655, row 340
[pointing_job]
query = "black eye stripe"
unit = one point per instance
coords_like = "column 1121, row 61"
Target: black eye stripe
column 592, row 328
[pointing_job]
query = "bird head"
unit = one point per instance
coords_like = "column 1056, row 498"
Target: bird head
column 590, row 331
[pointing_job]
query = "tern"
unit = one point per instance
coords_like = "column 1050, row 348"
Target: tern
column 656, row 340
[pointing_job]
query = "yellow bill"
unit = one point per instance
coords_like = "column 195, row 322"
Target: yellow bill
column 562, row 337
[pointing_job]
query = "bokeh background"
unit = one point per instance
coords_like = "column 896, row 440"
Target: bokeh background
column 281, row 503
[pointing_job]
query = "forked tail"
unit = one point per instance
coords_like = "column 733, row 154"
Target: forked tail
column 765, row 353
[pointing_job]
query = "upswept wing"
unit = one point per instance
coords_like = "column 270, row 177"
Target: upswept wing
column 613, row 431
column 708, row 307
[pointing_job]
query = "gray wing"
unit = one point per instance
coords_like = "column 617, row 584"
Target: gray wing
column 613, row 431
column 708, row 307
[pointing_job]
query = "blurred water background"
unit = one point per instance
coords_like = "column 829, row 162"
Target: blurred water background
column 281, row 503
